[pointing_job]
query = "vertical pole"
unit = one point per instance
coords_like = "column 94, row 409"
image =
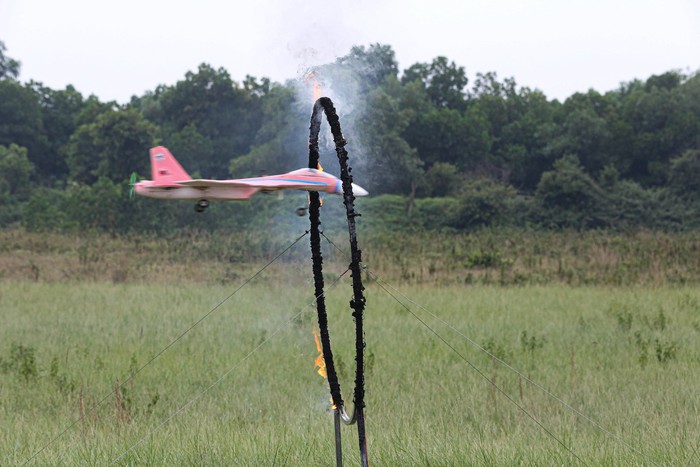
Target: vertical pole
column 362, row 438
column 338, row 440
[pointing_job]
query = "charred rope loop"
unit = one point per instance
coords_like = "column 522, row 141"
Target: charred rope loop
column 325, row 105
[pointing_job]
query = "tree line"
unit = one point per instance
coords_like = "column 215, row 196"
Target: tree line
column 444, row 151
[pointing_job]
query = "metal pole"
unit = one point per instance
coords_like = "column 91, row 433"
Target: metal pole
column 364, row 459
column 338, row 439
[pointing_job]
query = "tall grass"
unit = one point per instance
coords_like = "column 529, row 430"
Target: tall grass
column 626, row 357
column 487, row 257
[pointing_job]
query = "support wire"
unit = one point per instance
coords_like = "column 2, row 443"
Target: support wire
column 162, row 351
column 480, row 373
column 548, row 393
column 514, row 370
column 222, row 377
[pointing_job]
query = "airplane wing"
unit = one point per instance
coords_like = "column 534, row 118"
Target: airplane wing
column 301, row 179
column 263, row 183
column 204, row 183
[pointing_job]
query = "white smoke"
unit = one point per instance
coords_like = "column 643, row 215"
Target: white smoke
column 340, row 83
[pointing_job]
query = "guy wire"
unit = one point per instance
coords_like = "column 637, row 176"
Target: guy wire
column 157, row 355
column 521, row 375
column 224, row 375
column 475, row 368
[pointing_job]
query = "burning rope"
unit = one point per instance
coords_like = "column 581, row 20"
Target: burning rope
column 325, row 105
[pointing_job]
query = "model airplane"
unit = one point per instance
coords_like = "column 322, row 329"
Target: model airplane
column 170, row 181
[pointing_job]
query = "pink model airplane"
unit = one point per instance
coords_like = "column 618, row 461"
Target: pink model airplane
column 170, row 181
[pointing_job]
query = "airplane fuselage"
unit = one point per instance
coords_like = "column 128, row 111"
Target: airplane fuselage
column 188, row 193
column 171, row 181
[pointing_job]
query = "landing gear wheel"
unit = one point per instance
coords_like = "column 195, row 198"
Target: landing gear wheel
column 201, row 205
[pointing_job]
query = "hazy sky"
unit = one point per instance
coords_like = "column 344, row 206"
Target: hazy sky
column 119, row 49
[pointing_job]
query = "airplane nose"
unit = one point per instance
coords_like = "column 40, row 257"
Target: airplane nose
column 357, row 190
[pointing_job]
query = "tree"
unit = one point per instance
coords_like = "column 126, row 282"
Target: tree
column 491, row 98
column 60, row 111
column 191, row 148
column 281, row 140
column 115, row 145
column 9, row 67
column 444, row 82
column 97, row 206
column 684, row 176
column 250, row 84
column 446, row 135
column 662, row 121
column 21, row 121
column 395, row 166
column 521, row 124
column 92, row 108
column 441, row 179
column 570, row 197
column 585, row 130
column 220, row 111
column 484, row 202
column 44, row 210
column 15, row 172
column 668, row 80
column 372, row 65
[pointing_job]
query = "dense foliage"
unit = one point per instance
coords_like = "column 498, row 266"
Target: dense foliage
column 434, row 149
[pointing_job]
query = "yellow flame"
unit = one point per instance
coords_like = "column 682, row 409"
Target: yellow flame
column 320, row 363
column 320, row 198
column 315, row 85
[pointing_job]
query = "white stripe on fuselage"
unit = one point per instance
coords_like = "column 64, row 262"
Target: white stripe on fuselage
column 210, row 193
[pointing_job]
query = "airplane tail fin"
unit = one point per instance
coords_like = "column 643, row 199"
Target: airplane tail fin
column 165, row 168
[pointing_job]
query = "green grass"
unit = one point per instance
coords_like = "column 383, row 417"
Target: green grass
column 481, row 257
column 626, row 357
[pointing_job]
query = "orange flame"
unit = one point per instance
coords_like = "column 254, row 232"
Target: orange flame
column 315, row 85
column 320, row 199
column 320, row 363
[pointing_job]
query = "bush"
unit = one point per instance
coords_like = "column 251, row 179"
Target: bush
column 684, row 177
column 436, row 213
column 44, row 210
column 569, row 197
column 484, row 203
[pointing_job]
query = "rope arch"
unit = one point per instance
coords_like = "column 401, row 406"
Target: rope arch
column 321, row 106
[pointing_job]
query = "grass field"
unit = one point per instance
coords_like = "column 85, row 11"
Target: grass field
column 482, row 257
column 627, row 357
